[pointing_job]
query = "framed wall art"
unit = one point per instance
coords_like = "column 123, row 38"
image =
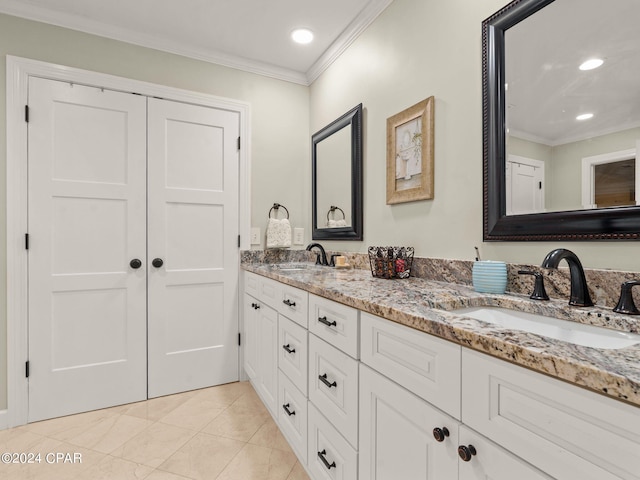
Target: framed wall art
column 410, row 154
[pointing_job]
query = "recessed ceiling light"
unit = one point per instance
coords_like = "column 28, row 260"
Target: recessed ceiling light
column 584, row 116
column 591, row 64
column 302, row 35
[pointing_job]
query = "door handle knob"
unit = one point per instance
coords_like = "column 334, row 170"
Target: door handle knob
column 157, row 262
column 135, row 263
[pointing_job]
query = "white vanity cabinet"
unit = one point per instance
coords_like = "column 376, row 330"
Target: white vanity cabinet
column 260, row 348
column 396, row 433
column 358, row 396
column 493, row 462
column 567, row 432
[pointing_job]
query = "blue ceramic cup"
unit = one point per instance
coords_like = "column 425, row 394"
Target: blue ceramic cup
column 489, row 276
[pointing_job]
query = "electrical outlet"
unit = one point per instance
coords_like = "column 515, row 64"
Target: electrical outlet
column 298, row 236
column 255, row 235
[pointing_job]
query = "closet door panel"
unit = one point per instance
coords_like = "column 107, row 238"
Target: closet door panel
column 192, row 249
column 87, row 222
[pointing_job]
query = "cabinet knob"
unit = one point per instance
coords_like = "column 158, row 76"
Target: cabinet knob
column 135, row 263
column 466, row 452
column 440, row 433
column 157, row 262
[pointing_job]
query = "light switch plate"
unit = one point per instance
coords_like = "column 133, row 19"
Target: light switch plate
column 255, row 235
column 298, row 236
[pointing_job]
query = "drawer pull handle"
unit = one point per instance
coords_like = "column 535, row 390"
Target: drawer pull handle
column 286, row 409
column 466, row 452
column 440, row 433
column 323, row 379
column 289, row 303
column 255, row 306
column 288, row 348
column 327, row 322
column 324, row 460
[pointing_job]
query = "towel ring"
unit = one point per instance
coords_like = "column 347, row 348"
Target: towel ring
column 333, row 209
column 275, row 207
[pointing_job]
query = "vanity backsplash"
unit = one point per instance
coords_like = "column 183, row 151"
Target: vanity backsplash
column 604, row 285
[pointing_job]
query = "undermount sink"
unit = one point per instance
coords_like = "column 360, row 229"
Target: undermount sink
column 564, row 330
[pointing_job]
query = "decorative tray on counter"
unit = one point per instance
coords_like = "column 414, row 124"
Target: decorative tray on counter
column 391, row 262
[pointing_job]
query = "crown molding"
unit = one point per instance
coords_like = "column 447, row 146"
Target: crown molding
column 73, row 22
column 18, row 8
column 350, row 34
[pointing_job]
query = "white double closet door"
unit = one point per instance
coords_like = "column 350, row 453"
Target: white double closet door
column 133, row 224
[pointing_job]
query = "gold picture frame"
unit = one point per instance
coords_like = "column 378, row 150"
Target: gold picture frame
column 410, row 154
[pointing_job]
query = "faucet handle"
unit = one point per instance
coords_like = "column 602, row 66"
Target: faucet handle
column 539, row 293
column 626, row 303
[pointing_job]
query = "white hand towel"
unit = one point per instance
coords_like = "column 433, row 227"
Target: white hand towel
column 278, row 233
column 337, row 223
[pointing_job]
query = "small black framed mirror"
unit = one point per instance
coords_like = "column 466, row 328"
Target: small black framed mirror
column 336, row 159
column 542, row 109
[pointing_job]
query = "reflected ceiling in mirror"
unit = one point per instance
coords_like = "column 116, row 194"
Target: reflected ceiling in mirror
column 572, row 93
column 540, row 152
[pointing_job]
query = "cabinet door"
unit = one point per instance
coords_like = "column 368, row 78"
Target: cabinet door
column 492, row 462
column 396, row 434
column 268, row 356
column 250, row 335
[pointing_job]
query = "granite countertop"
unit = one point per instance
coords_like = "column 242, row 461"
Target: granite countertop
column 430, row 306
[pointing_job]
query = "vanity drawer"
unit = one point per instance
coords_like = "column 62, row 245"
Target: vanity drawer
column 264, row 289
column 293, row 352
column 294, row 304
column 335, row 323
column 425, row 365
column 566, row 431
column 252, row 284
column 292, row 416
column 333, row 386
column 330, row 457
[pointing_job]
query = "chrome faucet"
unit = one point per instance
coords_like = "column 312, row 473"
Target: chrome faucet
column 579, row 292
column 321, row 258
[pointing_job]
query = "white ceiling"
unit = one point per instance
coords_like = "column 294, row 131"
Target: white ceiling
column 546, row 91
column 252, row 35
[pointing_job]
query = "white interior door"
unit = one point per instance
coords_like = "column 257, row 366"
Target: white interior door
column 193, row 231
column 525, row 185
column 87, row 317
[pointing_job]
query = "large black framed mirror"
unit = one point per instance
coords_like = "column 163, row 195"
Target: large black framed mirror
column 336, row 159
column 543, row 108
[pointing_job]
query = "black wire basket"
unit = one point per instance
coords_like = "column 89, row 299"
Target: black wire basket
column 391, row 262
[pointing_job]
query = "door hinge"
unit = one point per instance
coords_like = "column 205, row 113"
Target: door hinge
column 238, row 241
column 238, row 143
column 539, row 185
column 26, row 241
column 26, row 369
column 239, row 342
column 26, row 113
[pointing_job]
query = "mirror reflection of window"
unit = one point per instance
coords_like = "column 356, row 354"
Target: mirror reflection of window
column 614, row 184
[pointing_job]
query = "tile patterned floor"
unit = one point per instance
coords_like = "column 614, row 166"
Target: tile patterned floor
column 222, row 433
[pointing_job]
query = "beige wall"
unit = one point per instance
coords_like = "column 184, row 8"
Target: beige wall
column 415, row 49
column 280, row 113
